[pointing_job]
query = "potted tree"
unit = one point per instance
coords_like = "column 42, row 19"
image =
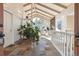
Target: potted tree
column 30, row 32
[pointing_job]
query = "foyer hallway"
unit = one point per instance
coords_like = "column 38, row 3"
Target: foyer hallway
column 54, row 20
column 26, row 48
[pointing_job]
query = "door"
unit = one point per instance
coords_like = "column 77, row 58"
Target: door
column 7, row 28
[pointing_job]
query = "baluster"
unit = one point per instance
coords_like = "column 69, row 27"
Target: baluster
column 65, row 44
column 71, row 52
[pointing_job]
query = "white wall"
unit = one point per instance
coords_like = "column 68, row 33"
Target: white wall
column 14, row 22
column 70, row 23
column 63, row 18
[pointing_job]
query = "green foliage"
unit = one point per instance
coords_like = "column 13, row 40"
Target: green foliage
column 29, row 32
column 20, row 30
column 37, row 33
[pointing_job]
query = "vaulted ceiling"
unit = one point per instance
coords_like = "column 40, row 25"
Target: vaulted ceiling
column 46, row 10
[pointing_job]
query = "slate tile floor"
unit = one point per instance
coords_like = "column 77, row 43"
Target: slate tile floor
column 26, row 48
column 44, row 48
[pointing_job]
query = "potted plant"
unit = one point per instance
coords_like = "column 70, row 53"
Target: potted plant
column 21, row 30
column 29, row 32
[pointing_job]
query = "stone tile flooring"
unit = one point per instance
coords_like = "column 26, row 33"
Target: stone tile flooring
column 44, row 48
column 27, row 48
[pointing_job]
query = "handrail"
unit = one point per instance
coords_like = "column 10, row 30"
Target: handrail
column 62, row 32
column 63, row 41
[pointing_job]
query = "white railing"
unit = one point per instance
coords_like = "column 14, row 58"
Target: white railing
column 64, row 42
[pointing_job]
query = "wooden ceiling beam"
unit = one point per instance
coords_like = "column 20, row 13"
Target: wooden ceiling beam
column 48, row 7
column 41, row 11
column 26, row 4
column 39, row 15
column 60, row 5
column 28, row 10
column 45, row 12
